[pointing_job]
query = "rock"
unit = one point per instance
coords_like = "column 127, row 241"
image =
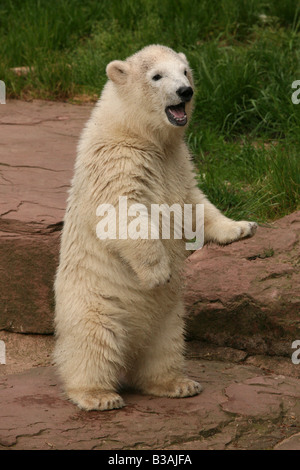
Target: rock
column 239, row 407
column 24, row 352
column 210, row 352
column 38, row 147
column 245, row 398
column 291, row 443
column 246, row 295
column 27, row 263
column 275, row 364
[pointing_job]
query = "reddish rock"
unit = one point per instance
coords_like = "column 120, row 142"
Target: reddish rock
column 291, row 443
column 250, row 398
column 239, row 408
column 27, row 262
column 246, row 295
column 38, row 147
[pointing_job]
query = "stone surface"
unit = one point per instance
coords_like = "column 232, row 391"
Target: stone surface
column 24, row 352
column 238, row 409
column 38, row 146
column 291, row 443
column 246, row 295
column 242, row 406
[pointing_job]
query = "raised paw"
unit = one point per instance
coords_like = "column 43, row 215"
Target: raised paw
column 96, row 400
column 178, row 388
column 234, row 231
column 248, row 229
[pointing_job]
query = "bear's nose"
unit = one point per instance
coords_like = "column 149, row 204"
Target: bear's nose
column 185, row 93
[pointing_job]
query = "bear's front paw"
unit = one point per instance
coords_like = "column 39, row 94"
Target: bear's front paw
column 156, row 275
column 234, row 231
column 89, row 400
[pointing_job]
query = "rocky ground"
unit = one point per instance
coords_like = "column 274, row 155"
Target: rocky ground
column 248, row 402
column 242, row 305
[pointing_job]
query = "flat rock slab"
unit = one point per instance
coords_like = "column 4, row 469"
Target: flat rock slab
column 240, row 408
column 38, row 148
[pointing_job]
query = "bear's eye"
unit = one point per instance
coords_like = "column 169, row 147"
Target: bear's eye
column 185, row 73
column 156, row 77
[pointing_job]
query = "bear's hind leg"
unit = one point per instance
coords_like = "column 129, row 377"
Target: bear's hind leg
column 160, row 369
column 89, row 358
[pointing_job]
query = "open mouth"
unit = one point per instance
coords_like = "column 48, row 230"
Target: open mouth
column 176, row 114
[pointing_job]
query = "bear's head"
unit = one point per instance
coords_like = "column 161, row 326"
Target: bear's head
column 155, row 84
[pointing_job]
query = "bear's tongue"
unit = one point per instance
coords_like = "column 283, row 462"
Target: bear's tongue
column 177, row 111
column 176, row 114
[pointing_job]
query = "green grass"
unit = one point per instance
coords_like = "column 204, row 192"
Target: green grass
column 245, row 54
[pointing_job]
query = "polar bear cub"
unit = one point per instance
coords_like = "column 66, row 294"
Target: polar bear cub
column 119, row 303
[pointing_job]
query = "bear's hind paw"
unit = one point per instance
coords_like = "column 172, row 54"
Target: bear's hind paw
column 178, row 388
column 96, row 400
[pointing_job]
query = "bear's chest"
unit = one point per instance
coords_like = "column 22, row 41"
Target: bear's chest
column 171, row 187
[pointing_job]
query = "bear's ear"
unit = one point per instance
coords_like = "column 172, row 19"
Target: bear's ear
column 183, row 56
column 117, row 71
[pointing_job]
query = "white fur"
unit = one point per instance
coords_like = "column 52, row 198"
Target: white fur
column 119, row 308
